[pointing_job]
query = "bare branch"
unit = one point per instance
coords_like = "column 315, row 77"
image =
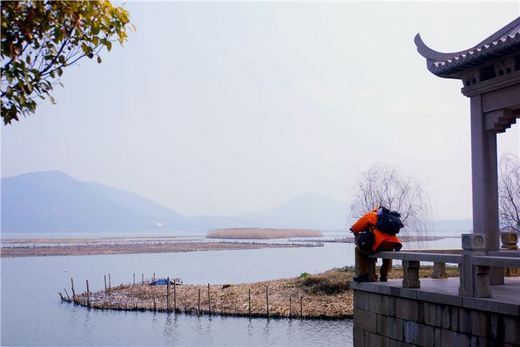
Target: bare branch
column 382, row 185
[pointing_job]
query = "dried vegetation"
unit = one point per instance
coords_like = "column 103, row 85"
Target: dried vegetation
column 326, row 296
column 261, row 233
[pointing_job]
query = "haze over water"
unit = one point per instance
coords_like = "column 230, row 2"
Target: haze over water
column 32, row 313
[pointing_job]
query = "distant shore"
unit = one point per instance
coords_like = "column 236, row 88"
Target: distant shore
column 261, row 233
column 38, row 247
column 103, row 246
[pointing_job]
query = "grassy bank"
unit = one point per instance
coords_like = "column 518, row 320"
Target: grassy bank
column 325, row 296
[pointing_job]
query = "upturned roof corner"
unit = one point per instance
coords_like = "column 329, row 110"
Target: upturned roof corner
column 502, row 43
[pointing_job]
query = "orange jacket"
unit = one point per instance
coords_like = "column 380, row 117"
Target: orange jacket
column 368, row 221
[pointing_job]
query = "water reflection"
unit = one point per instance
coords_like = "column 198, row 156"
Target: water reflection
column 250, row 328
column 170, row 328
column 267, row 333
column 43, row 277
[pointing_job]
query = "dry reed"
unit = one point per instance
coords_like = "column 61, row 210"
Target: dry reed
column 325, row 296
column 260, row 233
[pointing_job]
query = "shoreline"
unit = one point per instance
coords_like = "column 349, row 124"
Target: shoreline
column 38, row 247
column 136, row 248
column 319, row 296
column 282, row 298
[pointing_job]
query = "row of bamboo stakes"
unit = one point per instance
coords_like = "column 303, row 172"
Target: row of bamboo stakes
column 168, row 290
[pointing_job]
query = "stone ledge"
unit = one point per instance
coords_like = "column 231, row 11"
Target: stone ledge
column 504, row 253
column 420, row 256
column 491, row 305
column 440, row 294
column 501, row 261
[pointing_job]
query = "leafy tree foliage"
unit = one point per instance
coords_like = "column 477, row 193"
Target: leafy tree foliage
column 382, row 185
column 509, row 192
column 40, row 38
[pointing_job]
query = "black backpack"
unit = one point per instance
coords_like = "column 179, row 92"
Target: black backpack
column 365, row 240
column 388, row 221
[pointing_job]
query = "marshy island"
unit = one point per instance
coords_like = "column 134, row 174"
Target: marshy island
column 309, row 296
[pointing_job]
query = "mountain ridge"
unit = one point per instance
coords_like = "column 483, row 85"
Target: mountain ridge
column 52, row 201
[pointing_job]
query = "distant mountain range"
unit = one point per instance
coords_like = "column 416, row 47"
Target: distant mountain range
column 311, row 210
column 51, row 201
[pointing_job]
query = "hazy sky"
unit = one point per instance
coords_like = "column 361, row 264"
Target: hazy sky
column 222, row 108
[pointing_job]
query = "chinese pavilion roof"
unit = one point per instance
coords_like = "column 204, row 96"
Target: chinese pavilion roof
column 451, row 65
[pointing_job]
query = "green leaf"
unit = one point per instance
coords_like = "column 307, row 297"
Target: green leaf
column 85, row 48
column 40, row 28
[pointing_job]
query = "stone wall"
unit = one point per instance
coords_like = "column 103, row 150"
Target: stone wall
column 389, row 320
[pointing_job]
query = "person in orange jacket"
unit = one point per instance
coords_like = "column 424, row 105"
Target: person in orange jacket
column 382, row 242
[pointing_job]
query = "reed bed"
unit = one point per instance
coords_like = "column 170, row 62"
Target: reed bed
column 319, row 296
column 261, row 233
column 159, row 247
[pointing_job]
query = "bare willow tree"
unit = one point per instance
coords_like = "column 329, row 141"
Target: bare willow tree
column 509, row 191
column 382, row 185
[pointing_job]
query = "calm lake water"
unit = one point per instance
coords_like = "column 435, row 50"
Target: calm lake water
column 31, row 313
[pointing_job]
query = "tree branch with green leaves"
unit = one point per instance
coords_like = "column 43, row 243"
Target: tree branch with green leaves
column 41, row 38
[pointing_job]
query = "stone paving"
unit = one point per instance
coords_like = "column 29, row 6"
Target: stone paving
column 507, row 293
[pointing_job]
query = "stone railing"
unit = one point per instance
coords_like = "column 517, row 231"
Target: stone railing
column 474, row 264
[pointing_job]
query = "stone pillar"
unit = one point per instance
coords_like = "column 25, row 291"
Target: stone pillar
column 439, row 270
column 484, row 176
column 510, row 242
column 411, row 274
column 474, row 280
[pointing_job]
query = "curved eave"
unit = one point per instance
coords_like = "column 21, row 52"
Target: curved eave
column 453, row 65
column 456, row 65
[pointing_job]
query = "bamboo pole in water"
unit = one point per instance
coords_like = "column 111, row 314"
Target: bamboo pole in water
column 134, row 278
column 174, row 296
column 199, row 301
column 109, row 282
column 105, row 278
column 73, row 292
column 301, row 306
column 88, row 295
column 142, row 279
column 249, row 302
column 66, row 293
column 267, row 300
column 290, row 307
column 168, row 295
column 209, row 301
